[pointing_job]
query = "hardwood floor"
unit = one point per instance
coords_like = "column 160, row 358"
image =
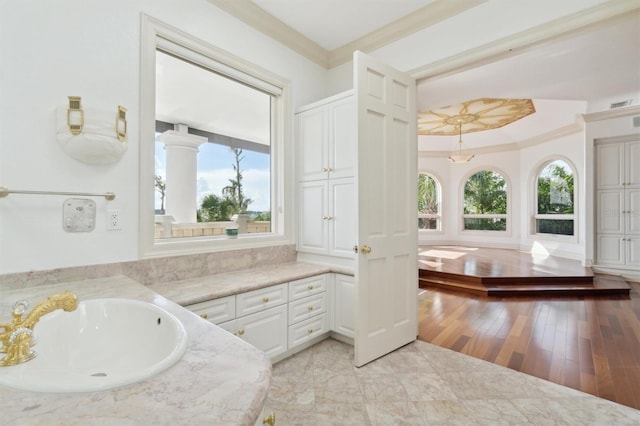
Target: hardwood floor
column 586, row 343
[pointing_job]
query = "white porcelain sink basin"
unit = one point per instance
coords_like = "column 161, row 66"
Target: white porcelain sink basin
column 103, row 344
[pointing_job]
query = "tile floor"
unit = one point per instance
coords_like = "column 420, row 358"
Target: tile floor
column 423, row 384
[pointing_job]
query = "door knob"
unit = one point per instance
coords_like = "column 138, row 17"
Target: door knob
column 365, row 249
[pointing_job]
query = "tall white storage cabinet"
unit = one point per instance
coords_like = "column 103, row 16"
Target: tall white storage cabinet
column 618, row 204
column 326, row 133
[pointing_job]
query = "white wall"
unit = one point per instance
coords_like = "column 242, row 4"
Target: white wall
column 50, row 50
column 517, row 167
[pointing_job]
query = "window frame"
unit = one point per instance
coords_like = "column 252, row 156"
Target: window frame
column 506, row 216
column 535, row 216
column 438, row 215
column 156, row 34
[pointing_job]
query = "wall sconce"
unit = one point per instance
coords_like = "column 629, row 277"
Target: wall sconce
column 93, row 136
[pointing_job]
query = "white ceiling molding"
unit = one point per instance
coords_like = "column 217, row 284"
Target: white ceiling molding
column 422, row 18
column 251, row 14
column 257, row 18
column 570, row 129
column 525, row 40
column 613, row 113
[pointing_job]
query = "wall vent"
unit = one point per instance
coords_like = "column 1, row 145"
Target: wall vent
column 636, row 121
column 620, row 104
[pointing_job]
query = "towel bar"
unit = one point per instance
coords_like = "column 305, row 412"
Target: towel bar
column 4, row 192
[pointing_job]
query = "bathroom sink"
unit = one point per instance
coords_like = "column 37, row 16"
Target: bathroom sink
column 103, row 344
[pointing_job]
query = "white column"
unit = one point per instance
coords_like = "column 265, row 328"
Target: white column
column 181, row 189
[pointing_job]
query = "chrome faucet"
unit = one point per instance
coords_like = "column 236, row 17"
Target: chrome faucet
column 16, row 338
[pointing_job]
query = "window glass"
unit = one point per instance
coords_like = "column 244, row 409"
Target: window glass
column 222, row 128
column 428, row 203
column 485, row 202
column 555, row 195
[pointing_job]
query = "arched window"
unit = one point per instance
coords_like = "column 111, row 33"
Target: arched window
column 428, row 203
column 485, row 202
column 555, row 199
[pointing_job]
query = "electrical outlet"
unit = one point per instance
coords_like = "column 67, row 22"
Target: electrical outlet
column 113, row 220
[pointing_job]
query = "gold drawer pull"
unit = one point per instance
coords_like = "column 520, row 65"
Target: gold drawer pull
column 265, row 299
column 310, row 330
column 310, row 286
column 270, row 420
column 241, row 332
column 204, row 316
column 310, row 308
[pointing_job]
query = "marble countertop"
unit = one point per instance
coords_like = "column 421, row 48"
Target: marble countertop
column 196, row 290
column 220, row 379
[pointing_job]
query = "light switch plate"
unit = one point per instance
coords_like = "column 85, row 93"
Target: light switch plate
column 78, row 215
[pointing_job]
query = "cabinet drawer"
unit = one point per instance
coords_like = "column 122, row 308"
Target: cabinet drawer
column 258, row 300
column 308, row 307
column 307, row 330
column 307, row 287
column 217, row 310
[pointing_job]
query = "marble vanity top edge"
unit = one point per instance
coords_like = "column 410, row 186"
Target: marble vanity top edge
column 220, row 379
column 210, row 287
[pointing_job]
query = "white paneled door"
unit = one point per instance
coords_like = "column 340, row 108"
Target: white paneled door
column 386, row 271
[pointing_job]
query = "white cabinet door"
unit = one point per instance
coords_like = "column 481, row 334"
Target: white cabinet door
column 312, row 213
column 632, row 211
column 343, row 305
column 610, row 165
column 632, row 156
column 312, row 134
column 326, row 139
column 633, row 251
column 610, row 208
column 266, row 330
column 342, row 218
column 611, row 249
column 342, row 135
column 326, row 217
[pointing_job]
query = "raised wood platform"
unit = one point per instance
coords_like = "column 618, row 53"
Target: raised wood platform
column 499, row 272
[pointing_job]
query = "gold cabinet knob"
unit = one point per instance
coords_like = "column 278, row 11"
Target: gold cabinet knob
column 265, row 299
column 310, row 286
column 309, row 330
column 241, row 332
column 310, row 308
column 270, row 420
column 204, row 316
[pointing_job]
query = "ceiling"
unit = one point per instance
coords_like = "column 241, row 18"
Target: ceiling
column 561, row 76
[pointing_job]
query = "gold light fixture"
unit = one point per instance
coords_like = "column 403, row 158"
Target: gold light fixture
column 458, row 157
column 476, row 115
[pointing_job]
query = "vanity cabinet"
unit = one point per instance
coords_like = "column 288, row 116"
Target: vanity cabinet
column 618, row 204
column 280, row 318
column 258, row 317
column 326, row 192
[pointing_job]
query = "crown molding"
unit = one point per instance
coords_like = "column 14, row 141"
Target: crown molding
column 431, row 14
column 612, row 113
column 252, row 15
column 576, row 127
column 525, row 40
column 258, row 18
